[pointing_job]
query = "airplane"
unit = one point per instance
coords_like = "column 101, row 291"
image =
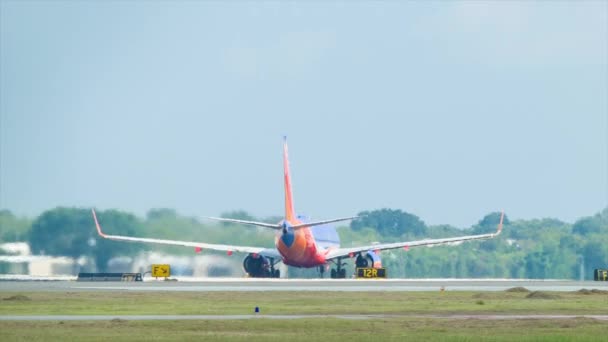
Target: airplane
column 300, row 242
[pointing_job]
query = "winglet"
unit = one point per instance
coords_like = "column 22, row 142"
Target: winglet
column 97, row 224
column 502, row 216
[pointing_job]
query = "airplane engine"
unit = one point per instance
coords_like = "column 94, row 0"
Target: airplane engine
column 256, row 266
column 369, row 259
column 374, row 259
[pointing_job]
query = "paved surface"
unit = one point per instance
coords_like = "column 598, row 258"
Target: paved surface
column 286, row 317
column 237, row 284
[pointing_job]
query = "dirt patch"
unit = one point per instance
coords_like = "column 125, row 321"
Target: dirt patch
column 118, row 320
column 518, row 289
column 542, row 295
column 590, row 292
column 18, row 298
column 596, row 291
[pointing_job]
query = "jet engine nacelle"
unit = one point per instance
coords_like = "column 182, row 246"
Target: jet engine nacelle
column 256, row 266
column 368, row 259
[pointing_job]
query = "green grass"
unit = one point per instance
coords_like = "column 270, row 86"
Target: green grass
column 396, row 328
column 220, row 303
column 309, row 330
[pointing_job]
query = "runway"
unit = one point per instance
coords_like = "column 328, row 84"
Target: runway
column 287, row 317
column 248, row 284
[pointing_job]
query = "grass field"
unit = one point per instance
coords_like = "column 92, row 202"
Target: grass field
column 285, row 303
column 310, row 329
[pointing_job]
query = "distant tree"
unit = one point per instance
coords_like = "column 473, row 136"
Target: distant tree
column 570, row 242
column 489, row 223
column 592, row 224
column 517, row 265
column 535, row 264
column 13, row 228
column 237, row 215
column 390, row 222
column 71, row 232
column 161, row 213
column 443, row 230
column 479, row 266
column 595, row 254
column 272, row 219
column 490, row 245
column 62, row 232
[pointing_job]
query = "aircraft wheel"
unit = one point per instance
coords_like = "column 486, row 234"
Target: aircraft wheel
column 333, row 273
column 342, row 274
column 277, row 274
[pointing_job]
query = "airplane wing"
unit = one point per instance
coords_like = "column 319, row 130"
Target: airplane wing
column 343, row 252
column 267, row 252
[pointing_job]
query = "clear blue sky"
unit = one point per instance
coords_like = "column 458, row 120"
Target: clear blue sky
column 448, row 110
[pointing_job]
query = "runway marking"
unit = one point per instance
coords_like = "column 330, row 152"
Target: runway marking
column 288, row 317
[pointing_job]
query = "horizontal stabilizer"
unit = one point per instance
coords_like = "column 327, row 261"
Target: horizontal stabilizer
column 279, row 226
column 318, row 223
column 251, row 223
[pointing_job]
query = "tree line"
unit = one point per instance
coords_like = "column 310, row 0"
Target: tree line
column 540, row 248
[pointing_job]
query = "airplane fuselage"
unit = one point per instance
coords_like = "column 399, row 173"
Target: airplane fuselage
column 297, row 246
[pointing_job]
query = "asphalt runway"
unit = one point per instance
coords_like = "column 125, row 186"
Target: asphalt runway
column 248, row 284
column 286, row 317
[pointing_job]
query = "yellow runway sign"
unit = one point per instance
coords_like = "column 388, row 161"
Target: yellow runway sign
column 600, row 275
column 370, row 272
column 161, row 270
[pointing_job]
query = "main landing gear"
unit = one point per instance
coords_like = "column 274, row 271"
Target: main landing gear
column 338, row 272
column 274, row 273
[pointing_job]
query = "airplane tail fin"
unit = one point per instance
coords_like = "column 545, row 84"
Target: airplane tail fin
column 290, row 214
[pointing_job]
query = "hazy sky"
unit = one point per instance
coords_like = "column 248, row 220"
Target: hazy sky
column 448, row 110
